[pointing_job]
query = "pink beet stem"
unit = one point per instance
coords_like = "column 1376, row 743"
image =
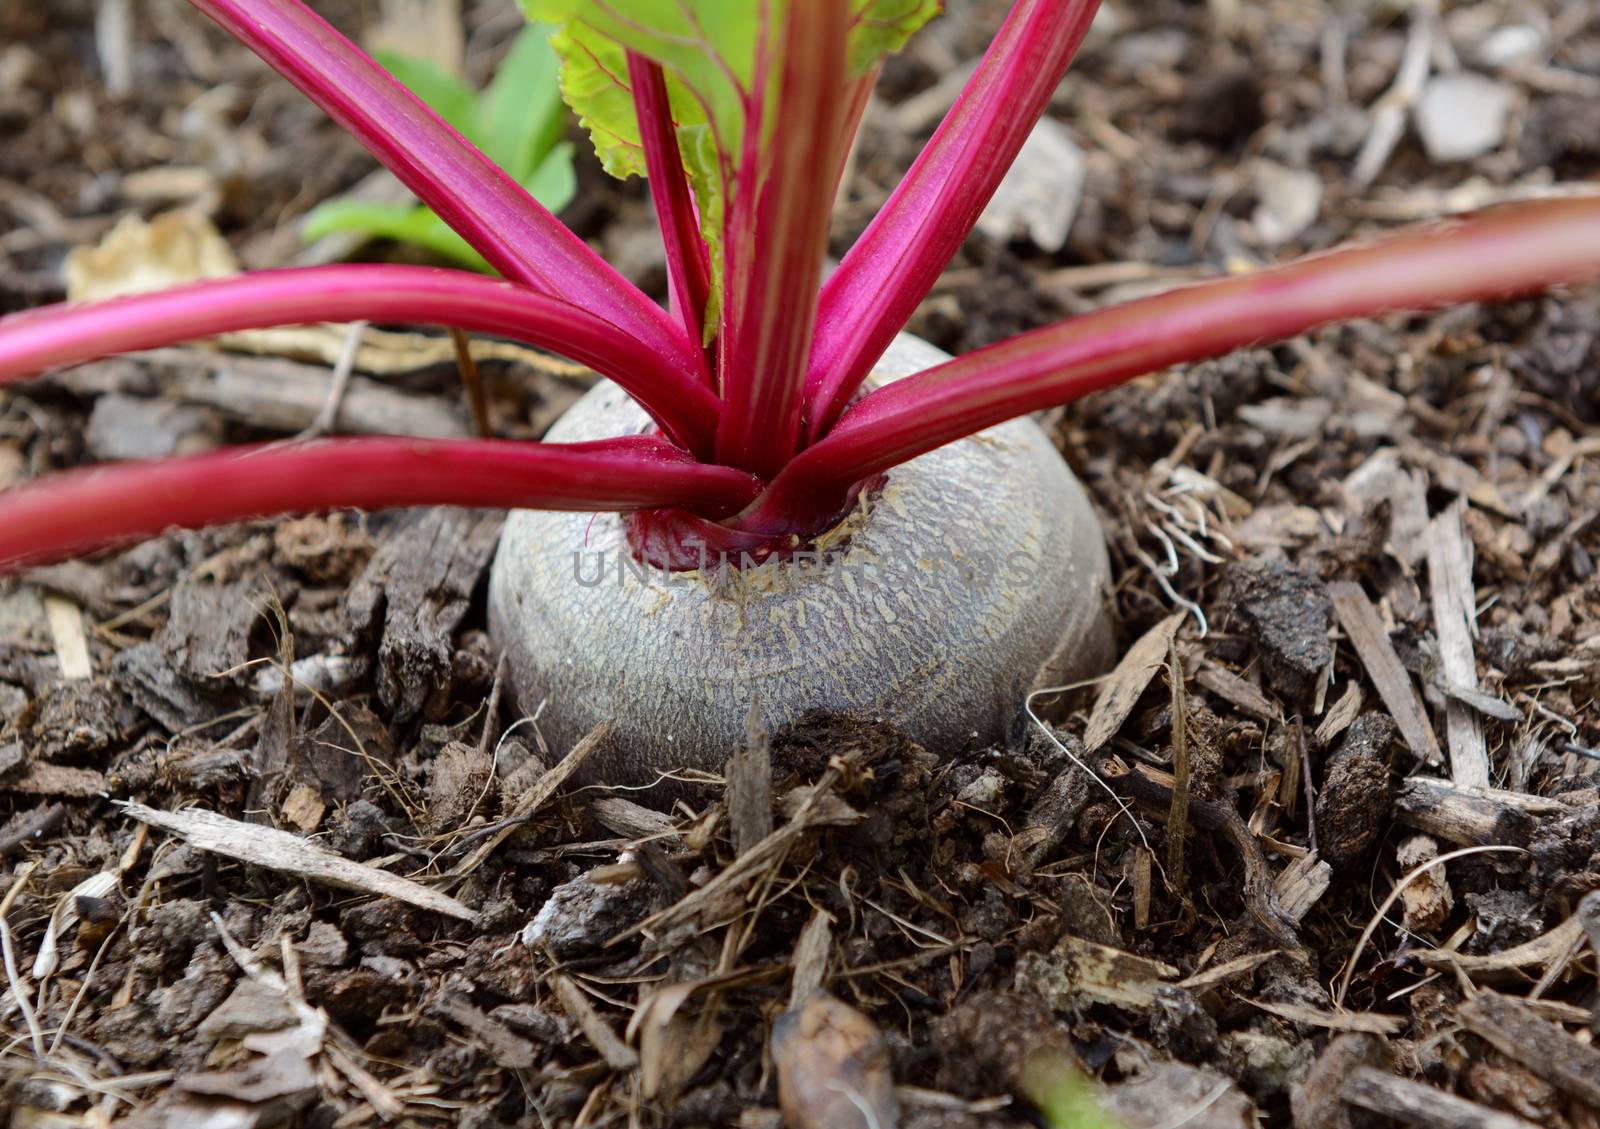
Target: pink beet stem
column 1497, row 254
column 79, row 511
column 778, row 237
column 687, row 268
column 894, row 264
column 472, row 194
column 667, row 385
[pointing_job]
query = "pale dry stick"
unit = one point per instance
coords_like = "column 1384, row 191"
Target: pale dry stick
column 390, row 353
column 1451, row 590
column 491, row 709
column 384, row 1102
column 923, row 111
column 328, row 418
column 1557, row 966
column 289, row 958
column 1470, row 196
column 283, row 852
column 1414, row 1103
column 18, row 993
column 589, row 1112
column 122, row 619
column 244, row 713
column 908, row 927
column 1224, row 187
column 1334, row 64
column 1199, row 1107
column 923, row 956
column 1549, row 946
column 71, row 643
column 1394, row 895
column 1099, row 276
column 1389, row 113
column 1178, row 814
column 1586, row 447
column 1354, row 612
column 123, row 1088
column 617, row 1055
column 113, row 40
column 917, row 1097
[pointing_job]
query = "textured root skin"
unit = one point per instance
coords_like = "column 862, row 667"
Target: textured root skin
column 968, row 577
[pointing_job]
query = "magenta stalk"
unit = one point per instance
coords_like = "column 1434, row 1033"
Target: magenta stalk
column 668, row 385
column 1494, row 255
column 79, row 511
column 508, row 227
column 895, row 263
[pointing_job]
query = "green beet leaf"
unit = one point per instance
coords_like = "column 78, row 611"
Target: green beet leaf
column 517, row 120
column 710, row 51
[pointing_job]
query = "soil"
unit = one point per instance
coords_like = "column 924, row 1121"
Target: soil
column 1335, row 929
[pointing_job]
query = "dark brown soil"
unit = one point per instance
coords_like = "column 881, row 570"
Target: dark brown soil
column 980, row 927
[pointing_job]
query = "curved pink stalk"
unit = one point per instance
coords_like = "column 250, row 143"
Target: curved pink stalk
column 67, row 334
column 79, row 511
column 472, row 194
column 1497, row 254
column 687, row 268
column 898, row 258
column 777, row 241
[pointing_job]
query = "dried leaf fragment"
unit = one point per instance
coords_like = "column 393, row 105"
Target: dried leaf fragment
column 1428, row 901
column 279, row 850
column 1121, row 691
column 138, row 256
column 833, row 1068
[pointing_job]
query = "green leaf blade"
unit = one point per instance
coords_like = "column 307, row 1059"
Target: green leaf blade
column 714, row 54
column 555, row 182
column 517, row 120
column 520, row 114
column 403, row 223
column 882, row 27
